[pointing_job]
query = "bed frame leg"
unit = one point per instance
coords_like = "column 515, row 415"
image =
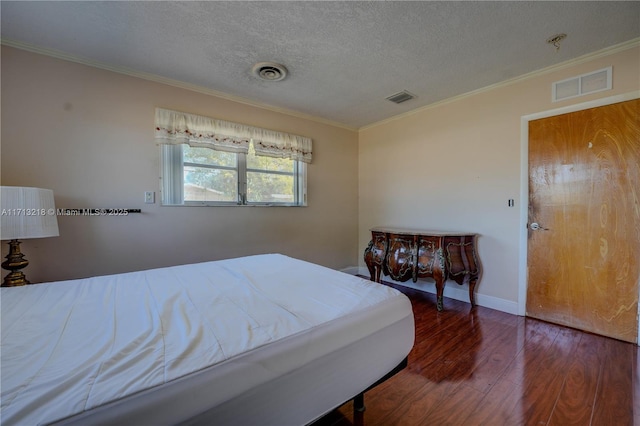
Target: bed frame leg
column 358, row 400
column 358, row 403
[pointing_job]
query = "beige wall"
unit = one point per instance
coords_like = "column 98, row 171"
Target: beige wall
column 87, row 134
column 453, row 167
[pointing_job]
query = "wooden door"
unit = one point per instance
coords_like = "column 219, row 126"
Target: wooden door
column 584, row 195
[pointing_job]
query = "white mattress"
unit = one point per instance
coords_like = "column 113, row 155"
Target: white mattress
column 231, row 341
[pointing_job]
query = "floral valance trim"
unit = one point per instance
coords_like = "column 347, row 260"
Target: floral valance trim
column 174, row 127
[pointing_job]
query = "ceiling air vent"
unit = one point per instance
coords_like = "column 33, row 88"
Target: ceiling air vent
column 401, row 97
column 581, row 85
column 269, row 71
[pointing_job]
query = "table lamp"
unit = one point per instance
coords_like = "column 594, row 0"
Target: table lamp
column 24, row 213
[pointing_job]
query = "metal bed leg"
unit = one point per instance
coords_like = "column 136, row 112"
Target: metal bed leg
column 358, row 403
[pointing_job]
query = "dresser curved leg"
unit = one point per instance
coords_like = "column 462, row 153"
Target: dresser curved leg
column 372, row 272
column 472, row 286
column 439, row 293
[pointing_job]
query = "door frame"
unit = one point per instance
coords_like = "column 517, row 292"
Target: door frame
column 524, row 182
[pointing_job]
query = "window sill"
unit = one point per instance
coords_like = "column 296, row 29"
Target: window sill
column 206, row 204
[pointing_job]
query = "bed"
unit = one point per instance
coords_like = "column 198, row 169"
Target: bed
column 265, row 339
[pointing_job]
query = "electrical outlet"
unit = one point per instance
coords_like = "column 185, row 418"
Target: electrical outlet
column 149, row 197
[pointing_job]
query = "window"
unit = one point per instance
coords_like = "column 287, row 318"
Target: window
column 203, row 176
column 214, row 162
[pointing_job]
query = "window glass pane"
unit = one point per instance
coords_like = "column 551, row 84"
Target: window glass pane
column 209, row 156
column 206, row 184
column 268, row 163
column 201, row 175
column 269, row 188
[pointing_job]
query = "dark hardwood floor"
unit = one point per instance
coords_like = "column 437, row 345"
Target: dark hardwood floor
column 485, row 367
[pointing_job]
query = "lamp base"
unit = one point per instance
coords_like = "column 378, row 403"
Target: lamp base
column 15, row 261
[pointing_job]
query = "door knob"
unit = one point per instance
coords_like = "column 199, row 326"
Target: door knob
column 534, row 227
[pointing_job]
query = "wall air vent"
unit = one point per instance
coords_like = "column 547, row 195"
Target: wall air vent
column 401, row 97
column 584, row 84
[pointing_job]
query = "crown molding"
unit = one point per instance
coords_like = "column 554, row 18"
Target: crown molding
column 572, row 62
column 168, row 81
column 200, row 89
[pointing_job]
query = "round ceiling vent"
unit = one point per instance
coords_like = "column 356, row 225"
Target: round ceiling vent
column 269, row 71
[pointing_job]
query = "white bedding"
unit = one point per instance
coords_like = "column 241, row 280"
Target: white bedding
column 113, row 344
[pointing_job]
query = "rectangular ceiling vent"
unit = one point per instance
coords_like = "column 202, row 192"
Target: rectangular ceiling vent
column 584, row 84
column 401, row 97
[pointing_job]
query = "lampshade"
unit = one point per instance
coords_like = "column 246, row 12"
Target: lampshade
column 27, row 213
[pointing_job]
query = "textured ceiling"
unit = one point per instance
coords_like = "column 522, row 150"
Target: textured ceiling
column 344, row 58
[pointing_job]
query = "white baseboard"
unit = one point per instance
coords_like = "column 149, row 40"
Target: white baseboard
column 352, row 270
column 454, row 291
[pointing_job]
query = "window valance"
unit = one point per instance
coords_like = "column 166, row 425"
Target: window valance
column 174, row 127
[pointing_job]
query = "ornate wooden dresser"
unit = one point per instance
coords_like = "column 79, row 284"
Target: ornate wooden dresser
column 405, row 254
